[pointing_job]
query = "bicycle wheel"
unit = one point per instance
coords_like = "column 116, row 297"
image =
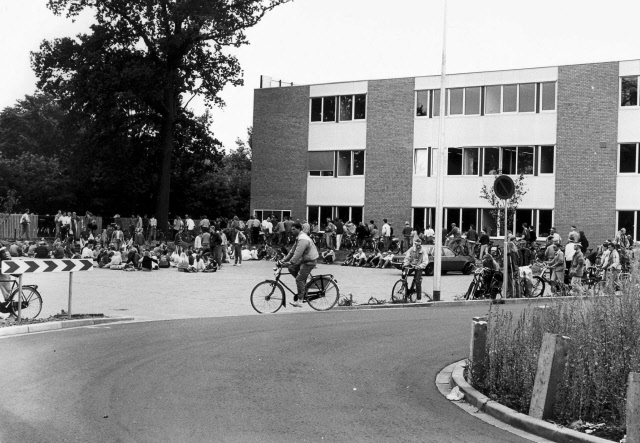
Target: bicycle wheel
column 473, row 286
column 537, row 289
column 322, row 293
column 399, row 291
column 267, row 297
column 31, row 303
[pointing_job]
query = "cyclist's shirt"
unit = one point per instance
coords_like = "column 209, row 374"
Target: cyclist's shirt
column 415, row 258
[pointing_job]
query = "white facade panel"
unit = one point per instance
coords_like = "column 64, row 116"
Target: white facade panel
column 535, row 75
column 464, row 192
column 630, row 67
column 488, row 130
column 627, row 195
column 338, row 191
column 339, row 89
column 348, row 135
column 629, row 124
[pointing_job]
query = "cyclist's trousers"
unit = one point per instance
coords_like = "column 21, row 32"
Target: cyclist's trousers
column 418, row 279
column 301, row 273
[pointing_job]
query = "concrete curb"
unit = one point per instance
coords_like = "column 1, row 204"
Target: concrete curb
column 449, row 304
column 516, row 419
column 56, row 325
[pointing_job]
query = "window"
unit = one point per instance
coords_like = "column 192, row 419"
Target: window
column 527, row 98
column 472, row 101
column 453, row 216
column 492, row 99
column 456, row 98
column 545, row 222
column 629, row 221
column 548, row 96
column 422, row 100
column 344, row 163
column 525, row 160
column 360, row 108
column 346, row 107
column 509, row 98
column 628, row 91
column 358, row 162
column 316, row 109
column 321, row 163
column 435, row 158
column 454, row 161
column 546, row 159
column 470, row 161
column 328, row 109
column 628, row 158
column 420, row 161
column 468, row 218
column 509, row 160
column 435, row 105
column 491, row 161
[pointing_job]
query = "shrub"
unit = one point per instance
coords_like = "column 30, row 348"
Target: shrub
column 605, row 347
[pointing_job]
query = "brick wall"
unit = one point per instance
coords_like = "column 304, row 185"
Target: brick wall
column 585, row 172
column 280, row 138
column 389, row 151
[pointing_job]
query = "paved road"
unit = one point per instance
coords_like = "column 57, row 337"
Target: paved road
column 338, row 376
column 169, row 294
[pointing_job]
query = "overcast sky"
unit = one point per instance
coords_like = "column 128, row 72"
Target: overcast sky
column 322, row 41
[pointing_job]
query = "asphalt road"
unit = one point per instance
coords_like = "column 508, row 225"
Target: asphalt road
column 347, row 376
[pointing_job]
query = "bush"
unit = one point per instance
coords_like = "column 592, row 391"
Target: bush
column 605, row 347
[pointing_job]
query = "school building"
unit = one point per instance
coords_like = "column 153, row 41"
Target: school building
column 365, row 150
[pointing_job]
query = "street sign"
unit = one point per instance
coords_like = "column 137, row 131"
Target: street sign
column 504, row 187
column 38, row 266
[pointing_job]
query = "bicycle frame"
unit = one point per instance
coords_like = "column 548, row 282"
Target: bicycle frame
column 311, row 295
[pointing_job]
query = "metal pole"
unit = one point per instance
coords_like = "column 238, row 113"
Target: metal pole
column 505, row 272
column 70, row 283
column 20, row 298
column 437, row 265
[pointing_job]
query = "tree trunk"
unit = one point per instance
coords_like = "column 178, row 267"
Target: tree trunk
column 166, row 143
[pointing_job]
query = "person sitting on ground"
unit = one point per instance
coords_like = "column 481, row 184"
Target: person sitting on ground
column 373, row 260
column 15, row 249
column 58, row 249
column 87, row 251
column 328, row 256
column 348, row 261
column 115, row 261
column 163, row 260
column 146, row 264
column 42, row 251
column 360, row 258
column 246, row 254
column 385, row 261
column 133, row 257
column 199, row 263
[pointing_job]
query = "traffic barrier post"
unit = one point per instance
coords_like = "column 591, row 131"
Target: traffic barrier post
column 633, row 408
column 477, row 348
column 551, row 364
column 29, row 265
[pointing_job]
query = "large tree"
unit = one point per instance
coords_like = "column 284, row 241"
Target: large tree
column 146, row 56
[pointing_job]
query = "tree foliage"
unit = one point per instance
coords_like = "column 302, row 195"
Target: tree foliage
column 141, row 60
column 497, row 211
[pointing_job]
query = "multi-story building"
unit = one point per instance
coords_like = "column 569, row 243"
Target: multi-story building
column 366, row 150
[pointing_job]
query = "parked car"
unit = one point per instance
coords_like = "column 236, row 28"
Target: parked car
column 450, row 261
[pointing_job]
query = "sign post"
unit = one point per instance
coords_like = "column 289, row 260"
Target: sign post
column 504, row 188
column 19, row 267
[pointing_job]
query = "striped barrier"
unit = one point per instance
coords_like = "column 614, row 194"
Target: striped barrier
column 30, row 265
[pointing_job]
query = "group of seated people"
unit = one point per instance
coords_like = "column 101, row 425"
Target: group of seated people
column 373, row 260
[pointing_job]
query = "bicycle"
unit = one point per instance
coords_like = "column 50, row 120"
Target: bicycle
column 486, row 283
column 403, row 293
column 348, row 242
column 269, row 296
column 31, row 301
column 540, row 282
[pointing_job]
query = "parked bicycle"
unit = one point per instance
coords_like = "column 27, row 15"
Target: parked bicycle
column 269, row 296
column 31, row 301
column 403, row 293
column 541, row 281
column 486, row 283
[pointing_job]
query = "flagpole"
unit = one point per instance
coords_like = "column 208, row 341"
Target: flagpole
column 437, row 266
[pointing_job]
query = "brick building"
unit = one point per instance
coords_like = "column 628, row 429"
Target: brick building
column 366, row 149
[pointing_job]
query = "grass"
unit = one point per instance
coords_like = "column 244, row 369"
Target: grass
column 605, row 347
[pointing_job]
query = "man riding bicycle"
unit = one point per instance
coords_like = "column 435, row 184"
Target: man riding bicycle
column 416, row 258
column 300, row 260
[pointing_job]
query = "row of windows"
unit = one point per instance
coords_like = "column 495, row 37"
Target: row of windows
column 280, row 214
column 344, row 213
column 336, row 163
column 339, row 108
column 484, row 100
column 539, row 220
column 511, row 160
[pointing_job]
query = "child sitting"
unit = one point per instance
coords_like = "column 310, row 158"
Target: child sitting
column 328, row 256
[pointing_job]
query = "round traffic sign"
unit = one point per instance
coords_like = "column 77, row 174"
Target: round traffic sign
column 504, row 187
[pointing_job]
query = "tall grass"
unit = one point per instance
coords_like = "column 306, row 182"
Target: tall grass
column 605, row 347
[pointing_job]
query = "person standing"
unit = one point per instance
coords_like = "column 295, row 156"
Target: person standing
column 153, row 227
column 329, row 232
column 216, row 243
column 406, row 233
column 238, row 240
column 117, row 238
column 205, row 224
column 58, row 224
column 583, row 242
column 306, row 228
column 145, row 226
column 386, row 234
column 430, row 235
column 300, row 261
column 339, row 232
column 25, row 224
column 577, row 270
column 288, row 223
column 526, row 233
column 557, row 266
column 191, row 226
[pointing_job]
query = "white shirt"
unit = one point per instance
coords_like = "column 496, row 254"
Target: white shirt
column 270, row 227
column 153, row 221
column 430, row 233
column 190, row 224
column 65, row 220
column 386, row 230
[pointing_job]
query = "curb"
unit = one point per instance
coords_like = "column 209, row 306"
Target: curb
column 448, row 304
column 516, row 419
column 57, row 325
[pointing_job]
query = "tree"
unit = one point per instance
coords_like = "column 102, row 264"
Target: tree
column 145, row 56
column 497, row 212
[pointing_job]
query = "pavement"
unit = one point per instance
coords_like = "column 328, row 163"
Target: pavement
column 169, row 294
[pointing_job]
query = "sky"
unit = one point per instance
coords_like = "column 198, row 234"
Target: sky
column 324, row 41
